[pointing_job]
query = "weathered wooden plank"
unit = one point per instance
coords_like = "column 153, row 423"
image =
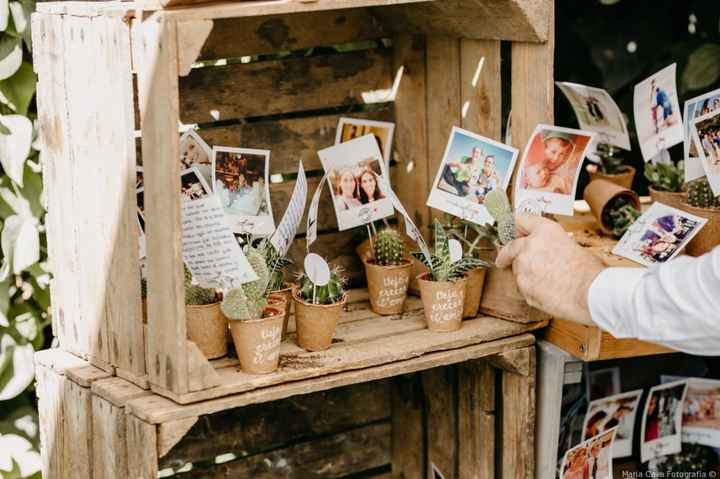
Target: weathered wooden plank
column 142, row 448
column 77, row 430
column 50, row 390
column 518, row 448
column 481, row 87
column 337, row 248
column 441, row 421
column 260, row 427
column 117, row 391
column 171, row 432
column 408, row 433
column 191, row 38
column 476, row 420
column 282, row 86
column 109, row 436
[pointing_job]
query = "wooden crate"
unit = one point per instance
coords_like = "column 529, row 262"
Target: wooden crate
column 108, row 68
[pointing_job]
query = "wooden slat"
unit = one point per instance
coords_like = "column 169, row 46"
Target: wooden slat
column 480, row 87
column 236, row 37
column 476, row 420
column 502, row 298
column 109, row 435
column 50, row 389
column 117, row 391
column 408, row 429
column 282, row 86
column 172, row 432
column 77, row 431
column 142, row 448
column 257, row 428
column 518, row 448
column 440, row 390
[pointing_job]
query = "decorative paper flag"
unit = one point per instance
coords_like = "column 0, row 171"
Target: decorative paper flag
column 311, row 230
column 285, row 233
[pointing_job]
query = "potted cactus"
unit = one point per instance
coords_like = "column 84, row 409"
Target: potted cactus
column 615, row 208
column 702, row 202
column 667, row 183
column 611, row 167
column 387, row 270
column 442, row 288
column 206, row 325
column 317, row 310
column 256, row 327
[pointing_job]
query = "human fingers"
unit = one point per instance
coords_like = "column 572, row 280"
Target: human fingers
column 526, row 224
column 509, row 252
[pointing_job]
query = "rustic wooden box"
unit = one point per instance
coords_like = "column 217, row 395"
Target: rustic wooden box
column 109, row 69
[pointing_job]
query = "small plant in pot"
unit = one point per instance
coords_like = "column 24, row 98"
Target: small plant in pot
column 611, row 167
column 701, row 201
column 256, row 327
column 667, row 183
column 206, row 325
column 387, row 271
column 317, row 310
column 277, row 287
column 615, row 208
column 442, row 288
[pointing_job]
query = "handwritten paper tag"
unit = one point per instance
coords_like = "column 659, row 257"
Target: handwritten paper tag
column 283, row 236
column 311, row 230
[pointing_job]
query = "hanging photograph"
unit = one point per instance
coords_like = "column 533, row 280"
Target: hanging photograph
column 550, row 167
column 596, row 111
column 591, row 458
column 614, row 411
column 351, row 128
column 661, row 420
column 658, row 235
column 705, row 132
column 357, row 175
column 701, row 412
column 195, row 152
column 695, row 108
column 657, row 113
column 472, row 166
column 193, row 185
column 240, row 180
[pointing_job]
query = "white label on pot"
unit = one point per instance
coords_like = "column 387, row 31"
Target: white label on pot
column 317, row 269
column 456, row 251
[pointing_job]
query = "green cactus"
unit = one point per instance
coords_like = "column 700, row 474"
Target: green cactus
column 498, row 206
column 666, row 176
column 274, row 262
column 619, row 214
column 389, row 247
column 329, row 294
column 196, row 295
column 610, row 162
column 250, row 299
column 700, row 195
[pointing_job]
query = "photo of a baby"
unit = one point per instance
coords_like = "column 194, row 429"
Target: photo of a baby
column 614, row 411
column 695, row 108
column 351, row 128
column 472, row 166
column 550, row 168
column 195, row 152
column 706, row 136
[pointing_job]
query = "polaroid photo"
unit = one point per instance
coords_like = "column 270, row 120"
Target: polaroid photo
column 591, row 458
column 603, row 383
column 597, row 111
column 549, row 170
column 658, row 235
column 662, row 420
column 240, row 180
column 357, row 177
column 614, row 411
column 657, row 113
column 701, row 412
column 472, row 166
column 193, row 185
column 694, row 108
column 195, row 152
column 705, row 132
column 351, row 128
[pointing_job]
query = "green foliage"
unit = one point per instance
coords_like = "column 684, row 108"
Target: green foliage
column 275, row 263
column 250, row 299
column 440, row 266
column 700, row 195
column 498, row 206
column 389, row 247
column 196, row 295
column 666, row 176
column 329, row 294
column 611, row 163
column 619, row 214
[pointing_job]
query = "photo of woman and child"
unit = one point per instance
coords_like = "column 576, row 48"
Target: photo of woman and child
column 610, row 412
column 592, row 459
column 665, row 236
column 354, row 187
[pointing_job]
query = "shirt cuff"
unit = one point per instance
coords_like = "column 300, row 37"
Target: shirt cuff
column 610, row 299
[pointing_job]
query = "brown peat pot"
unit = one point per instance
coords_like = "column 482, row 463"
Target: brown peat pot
column 207, row 327
column 257, row 341
column 624, row 179
column 387, row 286
column 709, row 236
column 443, row 302
column 670, row 198
column 599, row 193
column 316, row 323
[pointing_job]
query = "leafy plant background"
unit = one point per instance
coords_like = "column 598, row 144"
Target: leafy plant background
column 607, row 43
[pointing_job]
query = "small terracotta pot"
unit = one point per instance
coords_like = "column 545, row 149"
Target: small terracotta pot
column 709, row 236
column 257, row 341
column 315, row 323
column 443, row 303
column 624, row 179
column 286, row 294
column 207, row 327
column 599, row 193
column 473, row 292
column 387, row 286
column 670, row 198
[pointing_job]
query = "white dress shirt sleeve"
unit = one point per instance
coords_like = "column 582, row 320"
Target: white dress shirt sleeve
column 676, row 304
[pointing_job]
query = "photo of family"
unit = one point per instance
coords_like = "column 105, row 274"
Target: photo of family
column 195, row 152
column 357, row 178
column 695, row 108
column 240, row 180
column 657, row 113
column 550, row 168
column 661, row 422
column 351, row 128
column 658, row 235
column 597, row 111
column 591, row 459
column 472, row 166
column 614, row 411
column 706, row 136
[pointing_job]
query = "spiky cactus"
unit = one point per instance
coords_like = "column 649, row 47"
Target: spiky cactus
column 250, row 299
column 197, row 295
column 700, row 195
column 666, row 176
column 328, row 294
column 619, row 214
column 389, row 247
column 498, row 205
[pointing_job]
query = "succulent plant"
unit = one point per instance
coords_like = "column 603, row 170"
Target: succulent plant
column 330, row 293
column 196, row 295
column 619, row 214
column 440, row 266
column 250, row 299
column 610, row 161
column 700, row 195
column 498, row 205
column 274, row 262
column 666, row 176
column 389, row 247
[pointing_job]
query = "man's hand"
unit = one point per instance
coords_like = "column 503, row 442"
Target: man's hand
column 553, row 272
